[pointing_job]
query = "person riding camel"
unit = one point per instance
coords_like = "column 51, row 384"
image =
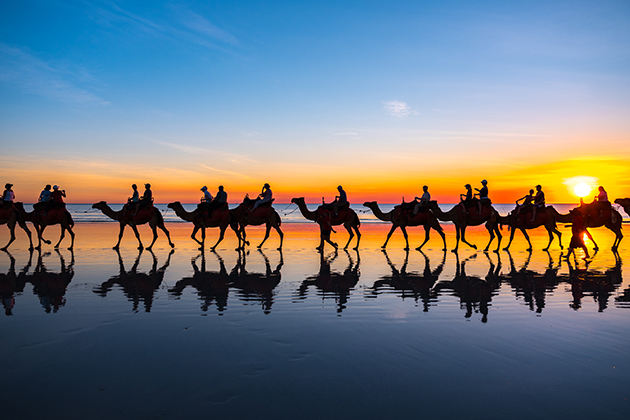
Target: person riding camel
column 205, row 200
column 8, row 195
column 527, row 202
column 539, row 201
column 577, row 230
column 483, row 195
column 464, row 199
column 340, row 200
column 44, row 197
column 133, row 200
column 146, row 200
column 56, row 200
column 220, row 199
column 602, row 201
column 265, row 196
column 424, row 200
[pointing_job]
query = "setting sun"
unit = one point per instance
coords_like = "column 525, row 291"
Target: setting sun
column 582, row 189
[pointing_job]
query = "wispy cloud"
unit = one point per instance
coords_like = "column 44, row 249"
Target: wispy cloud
column 348, row 133
column 398, row 109
column 33, row 75
column 200, row 151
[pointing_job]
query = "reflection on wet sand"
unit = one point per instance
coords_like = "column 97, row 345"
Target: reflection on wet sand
column 333, row 284
column 137, row 286
column 599, row 285
column 475, row 293
column 411, row 284
column 12, row 283
column 256, row 287
column 50, row 286
column 212, row 286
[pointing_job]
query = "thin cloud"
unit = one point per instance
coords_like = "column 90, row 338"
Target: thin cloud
column 200, row 151
column 349, row 133
column 32, row 75
column 398, row 109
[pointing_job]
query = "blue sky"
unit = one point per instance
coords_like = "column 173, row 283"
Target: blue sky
column 230, row 90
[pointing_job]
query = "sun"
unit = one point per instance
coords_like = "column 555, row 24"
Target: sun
column 582, row 189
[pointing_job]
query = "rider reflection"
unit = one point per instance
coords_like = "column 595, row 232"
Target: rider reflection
column 50, row 286
column 10, row 283
column 256, row 287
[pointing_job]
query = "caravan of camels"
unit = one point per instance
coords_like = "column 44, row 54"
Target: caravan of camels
column 472, row 210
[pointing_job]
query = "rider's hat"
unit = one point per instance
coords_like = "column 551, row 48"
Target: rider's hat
column 204, row 188
column 147, row 185
column 55, row 187
column 8, row 185
column 484, row 182
column 266, row 185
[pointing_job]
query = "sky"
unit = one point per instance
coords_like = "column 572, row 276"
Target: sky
column 380, row 97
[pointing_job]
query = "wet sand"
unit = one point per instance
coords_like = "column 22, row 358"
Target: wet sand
column 101, row 334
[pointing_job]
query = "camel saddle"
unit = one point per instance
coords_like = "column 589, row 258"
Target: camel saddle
column 143, row 213
column 596, row 212
column 210, row 214
column 54, row 215
column 250, row 203
column 473, row 211
column 524, row 218
column 7, row 210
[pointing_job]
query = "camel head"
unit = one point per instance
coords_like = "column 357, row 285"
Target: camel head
column 100, row 205
column 297, row 200
column 174, row 205
column 433, row 204
column 370, row 204
column 624, row 202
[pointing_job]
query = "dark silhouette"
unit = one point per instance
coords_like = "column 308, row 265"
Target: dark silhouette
column 12, row 283
column 202, row 218
column 345, row 216
column 11, row 216
column 148, row 214
column 50, row 286
column 264, row 214
column 256, row 287
column 599, row 285
column 461, row 219
column 211, row 286
column 138, row 287
column 520, row 219
column 57, row 215
column 402, row 217
column 418, row 286
column 332, row 284
column 594, row 216
column 625, row 203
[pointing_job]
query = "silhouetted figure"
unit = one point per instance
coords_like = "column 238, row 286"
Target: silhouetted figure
column 341, row 201
column 466, row 199
column 146, row 200
column 539, row 202
column 212, row 286
column 10, row 283
column 56, row 200
column 44, row 197
column 586, row 282
column 423, row 202
column 266, row 196
column 526, row 204
column 324, row 219
column 482, row 193
column 132, row 202
column 577, row 230
column 50, row 286
column 138, row 287
column 8, row 196
column 256, row 287
column 332, row 284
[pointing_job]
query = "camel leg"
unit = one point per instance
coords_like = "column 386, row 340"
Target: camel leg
column 499, row 237
column 588, row 234
column 11, row 226
column 28, row 232
column 71, row 232
column 221, row 235
column 466, row 242
column 277, row 228
column 120, row 235
column 63, row 235
column 557, row 232
column 267, row 230
column 135, row 231
column 426, row 236
column 350, row 233
column 242, row 237
column 456, row 239
column 359, row 238
column 490, row 231
column 193, row 235
column 155, row 236
column 512, row 233
column 41, row 237
column 389, row 235
column 550, row 232
column 168, row 235
column 528, row 241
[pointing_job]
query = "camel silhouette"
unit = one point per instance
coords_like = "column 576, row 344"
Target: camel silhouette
column 523, row 223
column 150, row 215
column 12, row 216
column 488, row 215
column 137, row 286
column 58, row 215
column 402, row 218
column 12, row 283
column 51, row 286
column 348, row 218
column 625, row 203
column 611, row 220
column 221, row 218
column 256, row 287
column 263, row 215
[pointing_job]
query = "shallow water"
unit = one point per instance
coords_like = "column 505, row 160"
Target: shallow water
column 362, row 334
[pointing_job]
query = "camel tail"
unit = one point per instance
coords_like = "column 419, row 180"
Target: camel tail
column 70, row 219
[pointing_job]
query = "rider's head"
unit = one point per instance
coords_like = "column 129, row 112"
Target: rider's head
column 340, row 188
column 134, row 186
column 220, row 187
column 266, row 185
column 55, row 187
column 601, row 188
column 8, row 186
column 484, row 182
column 467, row 186
column 204, row 188
column 147, row 186
column 538, row 188
column 425, row 188
column 47, row 187
column 531, row 191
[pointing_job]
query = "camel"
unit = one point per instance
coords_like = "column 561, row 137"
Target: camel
column 50, row 286
column 253, row 286
column 149, row 215
column 54, row 216
column 12, row 283
column 11, row 216
column 402, row 218
column 522, row 222
column 489, row 216
column 221, row 218
column 348, row 218
column 591, row 219
column 265, row 214
column 625, row 203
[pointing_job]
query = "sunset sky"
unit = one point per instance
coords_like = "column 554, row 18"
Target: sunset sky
column 381, row 97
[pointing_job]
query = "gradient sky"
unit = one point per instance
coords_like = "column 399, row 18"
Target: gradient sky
column 379, row 97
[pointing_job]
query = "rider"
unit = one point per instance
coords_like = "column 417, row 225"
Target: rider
column 133, row 200
column 483, row 195
column 466, row 198
column 340, row 200
column 56, row 199
column 424, row 200
column 206, row 199
column 147, row 198
column 602, row 201
column 8, row 195
column 539, row 201
column 265, row 196
column 44, row 197
column 527, row 201
column 219, row 200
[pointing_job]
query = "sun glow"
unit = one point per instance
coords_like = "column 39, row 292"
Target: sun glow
column 582, row 189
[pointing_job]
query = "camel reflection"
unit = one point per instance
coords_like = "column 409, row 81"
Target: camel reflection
column 138, row 287
column 12, row 283
column 256, row 287
column 532, row 286
column 332, row 284
column 475, row 293
column 599, row 285
column 49, row 286
column 212, row 286
column 418, row 286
